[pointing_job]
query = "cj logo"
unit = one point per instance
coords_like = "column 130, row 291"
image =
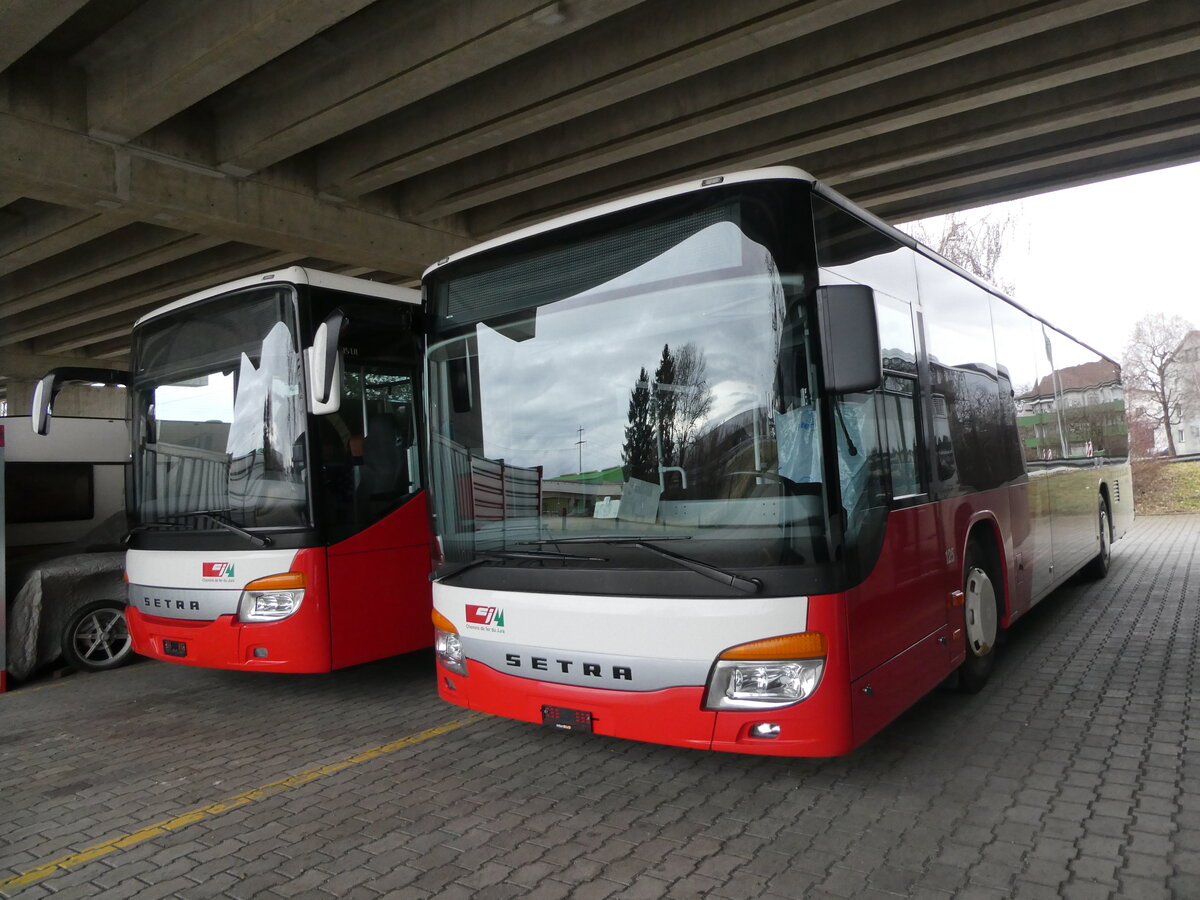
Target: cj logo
column 217, row 570
column 485, row 615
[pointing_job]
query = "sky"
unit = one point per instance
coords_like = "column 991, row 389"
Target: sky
column 1095, row 259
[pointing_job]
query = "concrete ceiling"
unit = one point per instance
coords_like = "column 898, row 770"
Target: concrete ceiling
column 152, row 149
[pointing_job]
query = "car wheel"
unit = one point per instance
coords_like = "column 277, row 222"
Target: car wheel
column 96, row 637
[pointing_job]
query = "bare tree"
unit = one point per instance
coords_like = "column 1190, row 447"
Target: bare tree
column 1150, row 365
column 974, row 244
column 694, row 395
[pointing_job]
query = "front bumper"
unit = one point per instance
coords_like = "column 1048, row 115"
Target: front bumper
column 291, row 645
column 818, row 726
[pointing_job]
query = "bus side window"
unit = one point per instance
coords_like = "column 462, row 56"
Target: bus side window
column 861, row 460
column 899, row 397
column 899, row 402
column 368, row 448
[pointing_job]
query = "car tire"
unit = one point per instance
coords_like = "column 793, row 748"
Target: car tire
column 96, row 637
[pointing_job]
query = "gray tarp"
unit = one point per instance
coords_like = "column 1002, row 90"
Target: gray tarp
column 50, row 593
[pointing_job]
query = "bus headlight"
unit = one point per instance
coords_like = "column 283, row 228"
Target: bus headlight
column 767, row 674
column 447, row 645
column 272, row 598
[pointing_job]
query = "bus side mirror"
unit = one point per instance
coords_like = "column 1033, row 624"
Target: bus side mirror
column 850, row 352
column 43, row 400
column 325, row 365
column 52, row 382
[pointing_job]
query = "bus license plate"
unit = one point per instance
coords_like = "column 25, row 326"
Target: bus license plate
column 174, row 648
column 566, row 719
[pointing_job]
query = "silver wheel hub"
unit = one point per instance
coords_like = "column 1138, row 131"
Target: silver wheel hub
column 981, row 618
column 102, row 636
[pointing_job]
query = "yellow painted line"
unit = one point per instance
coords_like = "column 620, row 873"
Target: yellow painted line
column 13, row 692
column 223, row 806
column 65, row 681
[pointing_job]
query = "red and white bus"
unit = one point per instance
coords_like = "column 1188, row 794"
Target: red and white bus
column 280, row 520
column 735, row 465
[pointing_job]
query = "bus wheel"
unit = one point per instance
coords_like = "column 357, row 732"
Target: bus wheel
column 96, row 637
column 982, row 620
column 1098, row 567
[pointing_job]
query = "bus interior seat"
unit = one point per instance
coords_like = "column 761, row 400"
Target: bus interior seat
column 384, row 475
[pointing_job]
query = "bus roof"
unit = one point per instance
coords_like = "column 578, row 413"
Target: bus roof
column 592, row 212
column 748, row 175
column 295, row 275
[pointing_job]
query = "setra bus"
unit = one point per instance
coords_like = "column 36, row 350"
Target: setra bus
column 279, row 515
column 736, row 465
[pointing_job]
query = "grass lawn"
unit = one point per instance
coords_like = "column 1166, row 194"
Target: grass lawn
column 1160, row 488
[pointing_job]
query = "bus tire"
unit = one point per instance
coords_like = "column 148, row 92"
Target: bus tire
column 982, row 599
column 1098, row 567
column 96, row 637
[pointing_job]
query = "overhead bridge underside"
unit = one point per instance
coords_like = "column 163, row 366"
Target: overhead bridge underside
column 152, row 149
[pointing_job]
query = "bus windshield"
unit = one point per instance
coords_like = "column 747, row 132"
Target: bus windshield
column 219, row 415
column 654, row 383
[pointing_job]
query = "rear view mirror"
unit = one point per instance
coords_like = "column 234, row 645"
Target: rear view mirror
column 461, row 395
column 325, row 364
column 849, row 338
column 52, row 382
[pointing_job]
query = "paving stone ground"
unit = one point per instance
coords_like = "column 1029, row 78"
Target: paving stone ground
column 1075, row 774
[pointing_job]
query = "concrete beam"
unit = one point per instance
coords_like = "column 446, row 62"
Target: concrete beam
column 113, row 353
column 847, row 58
column 1035, row 181
column 866, row 119
column 389, row 56
column 25, row 22
column 117, row 328
column 1138, row 136
column 170, row 54
column 22, row 366
column 129, row 251
column 1142, row 89
column 144, row 291
column 619, row 58
column 61, row 166
column 51, row 230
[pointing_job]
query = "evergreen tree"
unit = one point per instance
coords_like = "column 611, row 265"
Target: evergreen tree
column 638, row 456
column 664, row 402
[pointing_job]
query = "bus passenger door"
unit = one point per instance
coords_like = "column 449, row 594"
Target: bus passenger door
column 376, row 518
column 898, row 611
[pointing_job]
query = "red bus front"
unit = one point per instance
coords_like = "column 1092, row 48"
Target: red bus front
column 735, row 466
column 281, row 521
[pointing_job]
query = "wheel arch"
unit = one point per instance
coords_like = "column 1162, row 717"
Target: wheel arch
column 984, row 531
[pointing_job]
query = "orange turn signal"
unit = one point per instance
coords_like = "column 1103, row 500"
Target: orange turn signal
column 806, row 645
column 441, row 623
column 287, row 581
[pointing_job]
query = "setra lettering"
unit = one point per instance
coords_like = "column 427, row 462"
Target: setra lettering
column 567, row 666
column 166, row 603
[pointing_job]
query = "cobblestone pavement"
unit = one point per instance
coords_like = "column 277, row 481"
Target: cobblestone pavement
column 1075, row 773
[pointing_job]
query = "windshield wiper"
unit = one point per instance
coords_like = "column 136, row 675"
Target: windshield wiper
column 732, row 579
column 497, row 555
column 212, row 515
